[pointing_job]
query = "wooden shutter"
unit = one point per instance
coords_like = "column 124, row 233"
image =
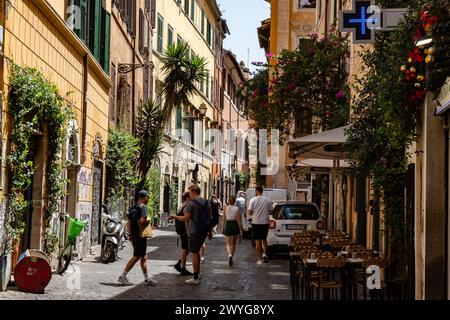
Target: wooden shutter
column 141, row 31
column 146, row 83
column 82, row 31
column 107, row 41
column 95, row 29
column 84, row 13
column 179, row 123
column 153, row 14
column 133, row 18
column 151, row 86
column 112, row 99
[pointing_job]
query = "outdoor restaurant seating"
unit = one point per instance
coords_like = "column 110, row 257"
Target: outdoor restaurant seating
column 332, row 268
column 329, row 277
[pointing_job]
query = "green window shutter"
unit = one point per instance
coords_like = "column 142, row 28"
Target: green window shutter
column 159, row 45
column 207, row 85
column 169, row 35
column 95, row 19
column 84, row 12
column 203, row 22
column 208, row 33
column 106, row 37
column 192, row 10
column 179, row 118
column 81, row 31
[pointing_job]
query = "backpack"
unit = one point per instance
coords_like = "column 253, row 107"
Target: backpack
column 204, row 222
column 131, row 216
column 180, row 227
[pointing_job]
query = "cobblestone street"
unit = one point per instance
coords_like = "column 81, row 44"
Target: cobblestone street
column 244, row 280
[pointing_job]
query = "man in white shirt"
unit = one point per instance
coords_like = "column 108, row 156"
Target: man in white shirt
column 259, row 209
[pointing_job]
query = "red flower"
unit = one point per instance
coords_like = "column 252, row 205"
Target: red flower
column 418, row 35
column 416, row 55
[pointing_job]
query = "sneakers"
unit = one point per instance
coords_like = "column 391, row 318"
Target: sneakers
column 124, row 281
column 150, row 282
column 202, row 260
column 259, row 263
column 265, row 259
column 193, row 281
column 186, row 272
column 230, row 260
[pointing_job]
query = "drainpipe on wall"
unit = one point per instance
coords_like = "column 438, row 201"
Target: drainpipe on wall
column 84, row 107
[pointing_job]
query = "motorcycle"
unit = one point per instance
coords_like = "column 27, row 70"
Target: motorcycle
column 113, row 236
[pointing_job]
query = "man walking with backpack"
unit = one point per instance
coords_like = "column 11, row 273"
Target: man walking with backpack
column 138, row 218
column 199, row 215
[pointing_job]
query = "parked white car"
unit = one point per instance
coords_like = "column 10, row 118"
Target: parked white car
column 289, row 217
column 275, row 195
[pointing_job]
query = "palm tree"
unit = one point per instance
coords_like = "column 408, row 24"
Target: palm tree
column 149, row 117
column 182, row 72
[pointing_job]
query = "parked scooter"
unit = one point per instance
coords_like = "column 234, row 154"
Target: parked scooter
column 113, row 236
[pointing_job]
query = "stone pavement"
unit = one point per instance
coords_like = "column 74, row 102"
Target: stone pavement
column 92, row 280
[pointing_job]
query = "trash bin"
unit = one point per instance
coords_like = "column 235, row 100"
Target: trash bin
column 33, row 272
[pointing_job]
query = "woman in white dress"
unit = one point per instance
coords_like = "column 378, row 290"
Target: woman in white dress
column 232, row 226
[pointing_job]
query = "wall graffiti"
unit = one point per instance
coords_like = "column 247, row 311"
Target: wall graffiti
column 84, row 184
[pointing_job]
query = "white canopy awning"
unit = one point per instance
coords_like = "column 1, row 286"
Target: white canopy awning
column 323, row 145
column 317, row 165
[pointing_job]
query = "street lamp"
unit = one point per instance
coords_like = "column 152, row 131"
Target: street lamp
column 203, row 109
column 202, row 112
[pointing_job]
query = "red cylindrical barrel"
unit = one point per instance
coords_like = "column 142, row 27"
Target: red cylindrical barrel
column 33, row 271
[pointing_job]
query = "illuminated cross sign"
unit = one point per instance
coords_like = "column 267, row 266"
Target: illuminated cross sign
column 366, row 17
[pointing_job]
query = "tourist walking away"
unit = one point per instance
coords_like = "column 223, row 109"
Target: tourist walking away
column 259, row 209
column 215, row 207
column 139, row 220
column 199, row 215
column 181, row 228
column 232, row 227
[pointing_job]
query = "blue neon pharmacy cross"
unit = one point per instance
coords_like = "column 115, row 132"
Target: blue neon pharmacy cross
column 360, row 22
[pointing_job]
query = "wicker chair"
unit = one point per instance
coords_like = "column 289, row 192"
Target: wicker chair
column 330, row 277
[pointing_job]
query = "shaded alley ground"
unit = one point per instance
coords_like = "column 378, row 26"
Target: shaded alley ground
column 92, row 280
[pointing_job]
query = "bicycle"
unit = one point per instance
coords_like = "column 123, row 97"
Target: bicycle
column 75, row 228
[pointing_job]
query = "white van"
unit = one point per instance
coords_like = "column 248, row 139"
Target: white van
column 276, row 195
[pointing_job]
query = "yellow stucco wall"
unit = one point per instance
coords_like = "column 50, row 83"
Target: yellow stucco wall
column 36, row 36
